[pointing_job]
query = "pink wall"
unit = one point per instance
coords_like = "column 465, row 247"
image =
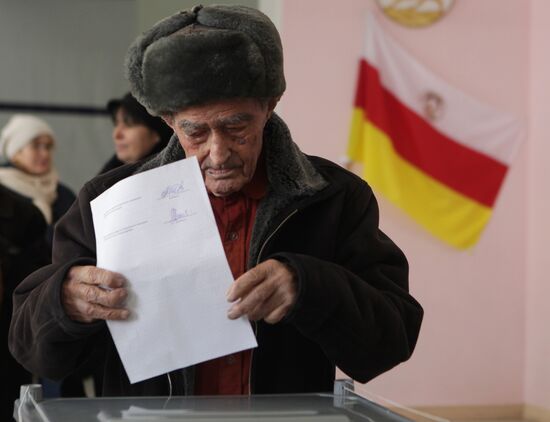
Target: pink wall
column 471, row 349
column 537, row 385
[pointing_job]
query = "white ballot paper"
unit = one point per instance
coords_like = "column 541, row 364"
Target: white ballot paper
column 157, row 228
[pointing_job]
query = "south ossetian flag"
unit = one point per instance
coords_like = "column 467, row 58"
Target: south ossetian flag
column 444, row 172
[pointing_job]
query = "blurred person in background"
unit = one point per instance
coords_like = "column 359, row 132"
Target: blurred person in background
column 23, row 249
column 27, row 144
column 136, row 134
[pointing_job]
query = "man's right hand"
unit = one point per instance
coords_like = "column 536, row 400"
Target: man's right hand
column 90, row 293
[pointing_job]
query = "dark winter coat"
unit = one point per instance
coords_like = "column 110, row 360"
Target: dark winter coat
column 23, row 249
column 64, row 200
column 353, row 308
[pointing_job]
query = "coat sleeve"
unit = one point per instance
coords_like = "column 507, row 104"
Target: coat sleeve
column 357, row 308
column 42, row 338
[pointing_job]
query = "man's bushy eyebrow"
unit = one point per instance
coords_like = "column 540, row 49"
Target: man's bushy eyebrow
column 187, row 125
column 235, row 119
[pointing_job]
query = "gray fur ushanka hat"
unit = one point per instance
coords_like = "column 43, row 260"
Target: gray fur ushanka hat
column 204, row 54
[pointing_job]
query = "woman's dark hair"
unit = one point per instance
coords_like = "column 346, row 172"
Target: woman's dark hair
column 137, row 114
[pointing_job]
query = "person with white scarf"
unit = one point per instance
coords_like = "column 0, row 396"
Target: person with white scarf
column 27, row 143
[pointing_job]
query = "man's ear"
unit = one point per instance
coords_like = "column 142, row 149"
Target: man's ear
column 271, row 104
column 168, row 119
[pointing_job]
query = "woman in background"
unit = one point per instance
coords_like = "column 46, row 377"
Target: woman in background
column 136, row 134
column 23, row 249
column 28, row 143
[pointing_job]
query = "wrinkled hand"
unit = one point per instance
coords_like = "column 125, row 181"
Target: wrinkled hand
column 85, row 301
column 266, row 292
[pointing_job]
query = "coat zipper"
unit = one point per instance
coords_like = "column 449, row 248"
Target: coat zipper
column 254, row 322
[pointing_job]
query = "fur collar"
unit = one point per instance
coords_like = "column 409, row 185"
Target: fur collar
column 290, row 174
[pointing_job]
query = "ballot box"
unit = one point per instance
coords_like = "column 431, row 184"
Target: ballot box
column 343, row 405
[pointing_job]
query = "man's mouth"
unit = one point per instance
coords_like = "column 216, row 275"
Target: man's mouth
column 221, row 173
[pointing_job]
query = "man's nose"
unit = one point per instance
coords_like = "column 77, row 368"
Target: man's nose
column 220, row 150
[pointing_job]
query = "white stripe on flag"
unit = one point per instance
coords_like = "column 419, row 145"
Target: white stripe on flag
column 465, row 119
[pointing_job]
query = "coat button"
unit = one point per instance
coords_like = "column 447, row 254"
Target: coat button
column 233, row 236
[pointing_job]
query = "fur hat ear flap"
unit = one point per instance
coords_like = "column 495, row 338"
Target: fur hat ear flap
column 205, row 54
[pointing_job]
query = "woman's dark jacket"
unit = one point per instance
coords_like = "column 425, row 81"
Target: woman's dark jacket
column 353, row 308
column 23, row 249
column 63, row 201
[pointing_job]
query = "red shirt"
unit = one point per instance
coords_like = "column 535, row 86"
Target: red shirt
column 235, row 216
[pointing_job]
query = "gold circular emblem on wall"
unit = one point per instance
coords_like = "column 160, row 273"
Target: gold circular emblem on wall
column 415, row 12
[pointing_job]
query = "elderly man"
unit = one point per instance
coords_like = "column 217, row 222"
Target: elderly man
column 322, row 284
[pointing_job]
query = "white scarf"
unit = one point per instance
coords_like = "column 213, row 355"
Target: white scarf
column 41, row 189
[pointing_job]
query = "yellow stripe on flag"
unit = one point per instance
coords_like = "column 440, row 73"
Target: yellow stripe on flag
column 445, row 213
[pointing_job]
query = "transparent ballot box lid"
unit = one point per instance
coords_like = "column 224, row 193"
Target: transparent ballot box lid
column 341, row 406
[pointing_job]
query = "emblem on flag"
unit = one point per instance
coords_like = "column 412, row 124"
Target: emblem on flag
column 431, row 149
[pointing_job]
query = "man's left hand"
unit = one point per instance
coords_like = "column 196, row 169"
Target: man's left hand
column 266, row 292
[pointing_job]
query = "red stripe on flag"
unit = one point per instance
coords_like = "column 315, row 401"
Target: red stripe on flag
column 463, row 169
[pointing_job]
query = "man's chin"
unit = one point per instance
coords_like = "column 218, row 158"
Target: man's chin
column 221, row 193
column 221, row 189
